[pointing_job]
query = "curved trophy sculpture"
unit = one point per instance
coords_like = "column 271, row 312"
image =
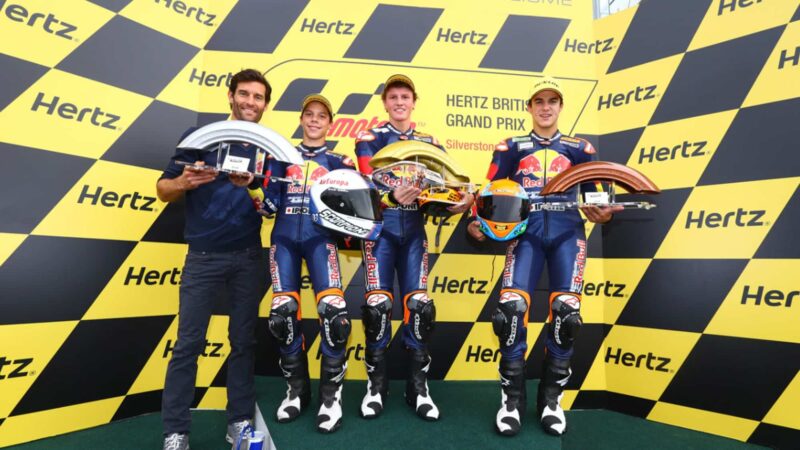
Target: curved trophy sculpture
column 630, row 179
column 266, row 141
column 243, row 131
column 434, row 159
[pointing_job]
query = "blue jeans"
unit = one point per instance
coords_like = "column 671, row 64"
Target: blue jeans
column 242, row 274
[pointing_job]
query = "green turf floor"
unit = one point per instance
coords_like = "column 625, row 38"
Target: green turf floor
column 467, row 422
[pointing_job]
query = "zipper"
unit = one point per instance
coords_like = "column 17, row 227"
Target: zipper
column 298, row 238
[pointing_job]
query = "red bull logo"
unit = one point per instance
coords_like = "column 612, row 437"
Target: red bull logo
column 297, row 172
column 400, row 175
column 545, row 163
column 315, row 172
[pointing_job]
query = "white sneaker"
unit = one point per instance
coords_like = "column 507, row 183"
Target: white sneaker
column 235, row 430
column 176, row 441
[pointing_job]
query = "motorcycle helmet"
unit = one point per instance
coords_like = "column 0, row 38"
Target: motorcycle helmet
column 503, row 207
column 435, row 200
column 345, row 201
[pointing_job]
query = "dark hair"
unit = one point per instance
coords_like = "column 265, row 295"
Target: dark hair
column 251, row 75
column 395, row 84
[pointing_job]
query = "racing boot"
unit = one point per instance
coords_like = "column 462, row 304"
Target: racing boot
column 332, row 370
column 298, row 392
column 555, row 374
column 417, row 395
column 513, row 397
column 377, row 383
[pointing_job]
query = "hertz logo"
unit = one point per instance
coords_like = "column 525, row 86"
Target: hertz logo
column 111, row 199
column 684, row 150
column 210, row 350
column 199, row 14
column 210, row 79
column 627, row 359
column 605, row 288
column 739, row 218
column 152, row 277
column 453, row 286
column 49, row 23
column 772, row 297
column 639, row 94
column 15, row 368
column 598, row 46
column 356, row 351
column 785, row 57
column 461, row 37
column 480, row 354
column 319, row 26
column 70, row 111
column 731, row 5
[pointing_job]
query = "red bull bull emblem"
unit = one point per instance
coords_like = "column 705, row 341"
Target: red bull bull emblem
column 298, row 173
column 542, row 165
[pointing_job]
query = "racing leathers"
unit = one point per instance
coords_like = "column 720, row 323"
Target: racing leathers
column 402, row 246
column 557, row 236
column 296, row 237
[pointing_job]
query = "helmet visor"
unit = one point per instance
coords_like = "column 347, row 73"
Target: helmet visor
column 360, row 203
column 503, row 208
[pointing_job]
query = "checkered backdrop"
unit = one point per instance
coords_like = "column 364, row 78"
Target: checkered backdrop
column 691, row 309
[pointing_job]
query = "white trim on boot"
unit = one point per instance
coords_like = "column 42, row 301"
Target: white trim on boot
column 553, row 419
column 371, row 405
column 284, row 413
column 508, row 422
column 329, row 419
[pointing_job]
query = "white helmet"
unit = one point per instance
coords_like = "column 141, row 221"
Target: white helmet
column 345, row 201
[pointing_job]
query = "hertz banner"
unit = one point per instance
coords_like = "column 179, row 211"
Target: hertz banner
column 691, row 309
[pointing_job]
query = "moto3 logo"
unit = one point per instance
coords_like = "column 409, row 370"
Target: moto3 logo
column 210, row 350
column 47, row 21
column 111, row 199
column 15, row 368
column 647, row 360
column 70, row 111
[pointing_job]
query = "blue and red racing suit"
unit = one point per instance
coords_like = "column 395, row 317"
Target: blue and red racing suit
column 555, row 236
column 402, row 245
column 295, row 236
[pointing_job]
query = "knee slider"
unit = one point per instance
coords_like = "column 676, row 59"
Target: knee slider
column 422, row 315
column 334, row 320
column 508, row 319
column 567, row 319
column 375, row 315
column 283, row 318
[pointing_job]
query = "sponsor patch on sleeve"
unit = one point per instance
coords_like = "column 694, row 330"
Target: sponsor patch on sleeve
column 589, row 148
column 365, row 136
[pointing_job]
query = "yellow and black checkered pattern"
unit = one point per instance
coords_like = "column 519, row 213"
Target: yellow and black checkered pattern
column 691, row 309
